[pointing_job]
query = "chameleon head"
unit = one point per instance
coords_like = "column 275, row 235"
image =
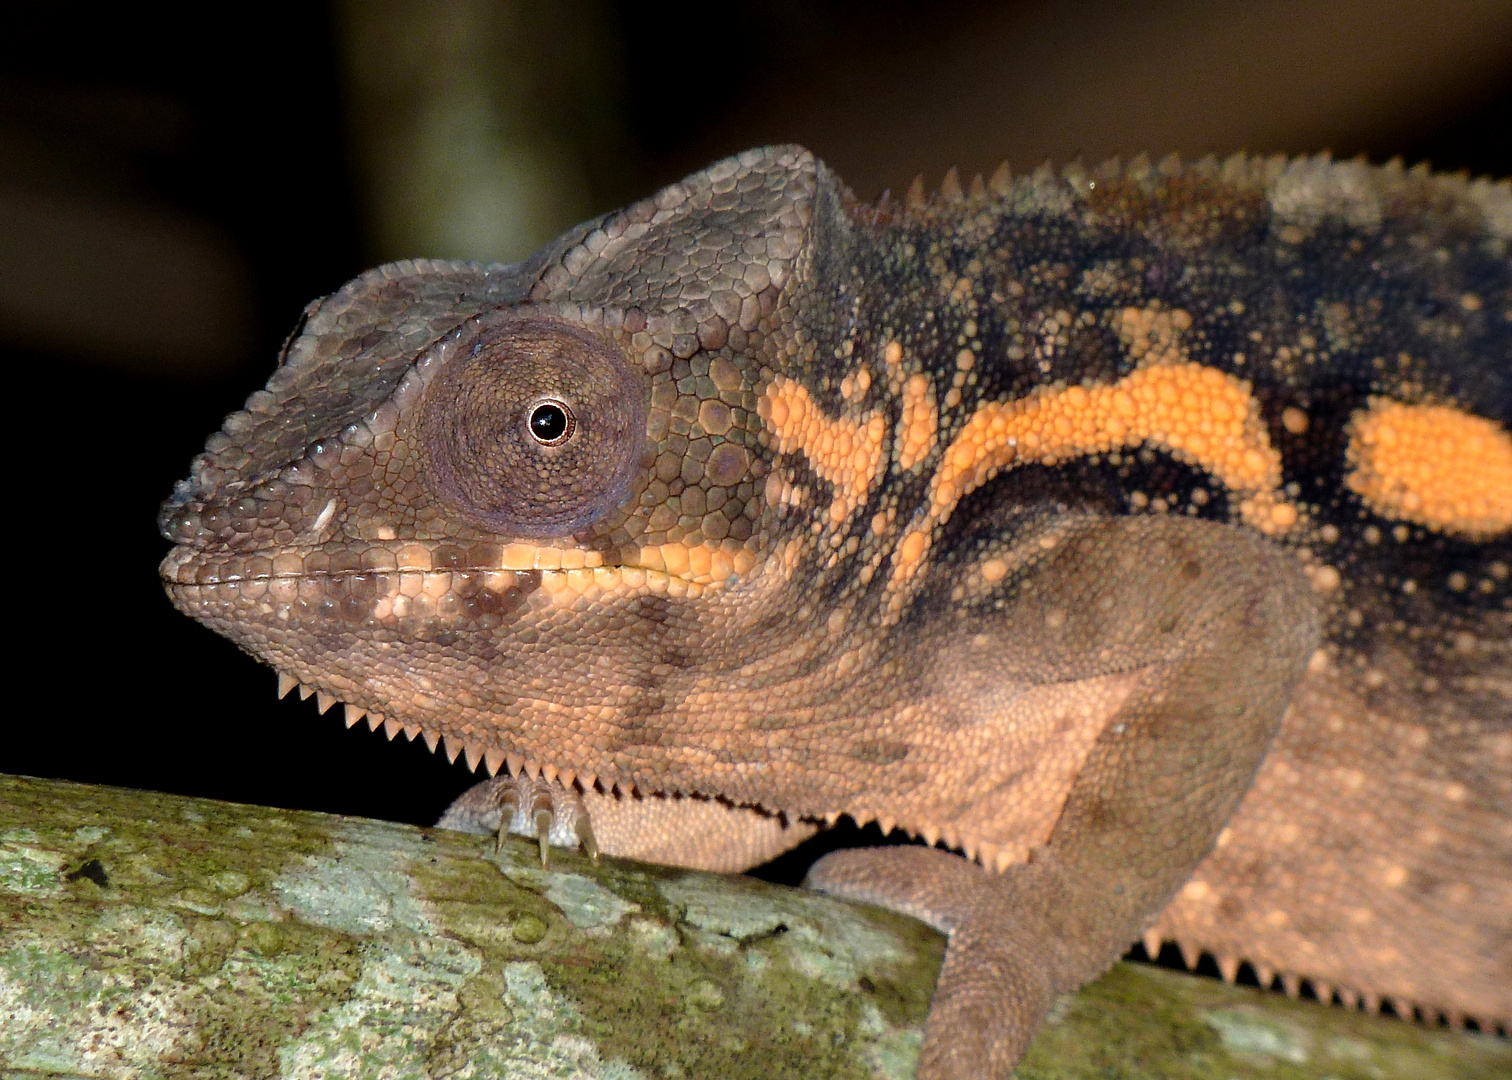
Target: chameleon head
column 506, row 504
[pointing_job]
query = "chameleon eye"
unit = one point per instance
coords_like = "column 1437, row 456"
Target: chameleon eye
column 552, row 423
column 535, row 427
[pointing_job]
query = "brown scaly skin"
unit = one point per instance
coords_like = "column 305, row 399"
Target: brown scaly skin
column 1019, row 518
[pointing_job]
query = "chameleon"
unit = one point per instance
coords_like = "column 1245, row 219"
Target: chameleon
column 1136, row 538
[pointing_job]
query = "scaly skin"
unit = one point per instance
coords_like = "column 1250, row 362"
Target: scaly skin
column 1020, row 518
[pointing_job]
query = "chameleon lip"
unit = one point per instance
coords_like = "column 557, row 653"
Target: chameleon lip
column 184, row 566
column 691, row 565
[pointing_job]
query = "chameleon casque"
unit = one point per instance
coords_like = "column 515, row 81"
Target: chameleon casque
column 1143, row 533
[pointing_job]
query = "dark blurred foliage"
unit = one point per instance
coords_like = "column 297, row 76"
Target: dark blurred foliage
column 173, row 189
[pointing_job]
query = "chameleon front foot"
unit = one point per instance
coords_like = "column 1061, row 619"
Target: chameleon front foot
column 548, row 812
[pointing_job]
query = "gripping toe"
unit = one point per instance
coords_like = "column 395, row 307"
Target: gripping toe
column 538, row 809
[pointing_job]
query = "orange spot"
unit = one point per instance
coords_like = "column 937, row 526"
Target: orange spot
column 1268, row 512
column 845, row 452
column 1152, row 334
column 920, row 422
column 1432, row 465
column 911, row 552
column 523, row 557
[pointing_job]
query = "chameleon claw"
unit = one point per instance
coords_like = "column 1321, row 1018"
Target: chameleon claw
column 543, row 833
column 586, row 838
column 505, row 798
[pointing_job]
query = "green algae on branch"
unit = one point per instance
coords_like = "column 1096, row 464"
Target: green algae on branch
column 1140, row 1021
column 145, row 935
column 152, row 936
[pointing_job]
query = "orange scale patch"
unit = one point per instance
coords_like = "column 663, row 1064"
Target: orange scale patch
column 576, row 569
column 1198, row 414
column 920, row 422
column 1432, row 465
column 845, row 452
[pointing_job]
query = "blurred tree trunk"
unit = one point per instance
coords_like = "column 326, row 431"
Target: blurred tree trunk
column 479, row 126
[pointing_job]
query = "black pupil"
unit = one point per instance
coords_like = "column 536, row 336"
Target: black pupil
column 548, row 422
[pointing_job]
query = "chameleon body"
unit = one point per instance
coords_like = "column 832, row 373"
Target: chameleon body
column 1021, row 517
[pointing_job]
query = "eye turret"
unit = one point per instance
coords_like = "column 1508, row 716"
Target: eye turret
column 534, row 428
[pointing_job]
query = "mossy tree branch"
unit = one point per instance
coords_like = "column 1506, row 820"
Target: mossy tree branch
column 145, row 935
